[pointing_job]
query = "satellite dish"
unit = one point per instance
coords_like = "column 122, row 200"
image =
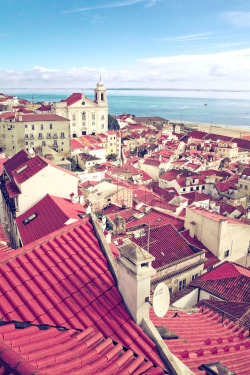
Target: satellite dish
column 161, row 300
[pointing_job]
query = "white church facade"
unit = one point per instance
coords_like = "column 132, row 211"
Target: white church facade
column 86, row 116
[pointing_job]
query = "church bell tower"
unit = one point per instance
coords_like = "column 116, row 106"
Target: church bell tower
column 101, row 94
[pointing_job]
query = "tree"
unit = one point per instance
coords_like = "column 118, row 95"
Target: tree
column 112, row 123
column 142, row 151
column 73, row 163
column 111, row 157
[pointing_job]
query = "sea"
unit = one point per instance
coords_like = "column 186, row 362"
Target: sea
column 202, row 106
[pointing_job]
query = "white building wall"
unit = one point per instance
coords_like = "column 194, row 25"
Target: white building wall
column 49, row 180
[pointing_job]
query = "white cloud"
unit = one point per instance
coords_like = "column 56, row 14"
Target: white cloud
column 237, row 18
column 184, row 38
column 224, row 70
column 116, row 4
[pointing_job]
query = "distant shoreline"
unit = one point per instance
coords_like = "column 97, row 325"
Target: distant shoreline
column 227, row 130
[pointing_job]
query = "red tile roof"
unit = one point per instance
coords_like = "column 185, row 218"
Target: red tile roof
column 165, row 244
column 224, row 186
column 12, row 189
column 2, row 161
column 32, row 350
column 202, row 338
column 76, row 144
column 215, row 216
column 157, row 219
column 195, row 196
column 63, row 280
column 52, row 214
column 16, row 161
column 75, row 98
column 7, row 115
column 41, row 117
column 227, row 281
column 29, row 169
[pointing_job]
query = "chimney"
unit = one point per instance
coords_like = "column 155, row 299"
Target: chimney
column 192, row 229
column 134, row 275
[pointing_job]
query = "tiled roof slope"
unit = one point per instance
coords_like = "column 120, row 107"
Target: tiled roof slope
column 34, row 165
column 52, row 214
column 234, row 311
column 16, row 161
column 165, row 244
column 157, row 219
column 41, row 117
column 204, row 339
column 63, row 280
column 228, row 281
column 31, row 350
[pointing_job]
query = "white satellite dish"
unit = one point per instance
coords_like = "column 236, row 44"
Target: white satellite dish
column 161, row 300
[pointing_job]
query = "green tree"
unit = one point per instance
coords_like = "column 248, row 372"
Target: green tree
column 73, row 163
column 111, row 157
column 112, row 123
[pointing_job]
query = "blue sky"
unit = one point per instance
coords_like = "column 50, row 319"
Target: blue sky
column 131, row 43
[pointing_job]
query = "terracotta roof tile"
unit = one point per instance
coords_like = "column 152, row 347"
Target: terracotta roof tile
column 41, row 117
column 52, row 213
column 165, row 244
column 63, row 280
column 202, row 338
column 227, row 281
column 26, row 350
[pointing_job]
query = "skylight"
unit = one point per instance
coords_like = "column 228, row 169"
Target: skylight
column 29, row 219
column 21, row 169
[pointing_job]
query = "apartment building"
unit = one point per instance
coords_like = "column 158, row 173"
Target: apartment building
column 19, row 132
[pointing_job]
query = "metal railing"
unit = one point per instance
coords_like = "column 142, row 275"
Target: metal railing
column 225, row 315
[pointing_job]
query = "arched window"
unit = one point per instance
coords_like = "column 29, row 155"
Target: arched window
column 96, row 96
column 102, row 96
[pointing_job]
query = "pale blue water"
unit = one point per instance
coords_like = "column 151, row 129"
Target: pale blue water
column 223, row 107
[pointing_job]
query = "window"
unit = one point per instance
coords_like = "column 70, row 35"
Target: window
column 48, row 135
column 102, row 126
column 43, row 143
column 74, row 117
column 29, row 219
column 51, row 126
column 62, row 135
column 41, row 126
column 102, row 96
column 226, row 254
column 246, row 187
column 195, row 276
column 40, row 135
column 55, row 142
column 83, row 116
column 93, row 123
column 203, row 187
column 93, row 116
column 33, row 127
column 241, row 186
column 26, row 143
column 25, row 125
column 182, row 284
column 170, row 291
column 102, row 117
